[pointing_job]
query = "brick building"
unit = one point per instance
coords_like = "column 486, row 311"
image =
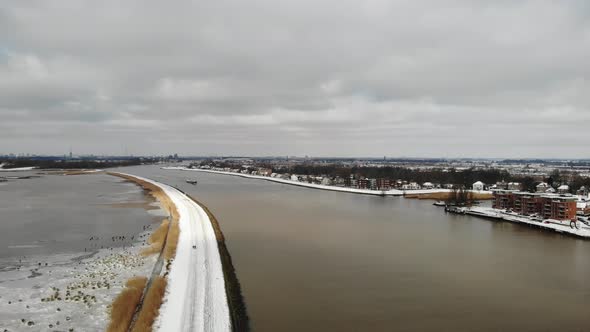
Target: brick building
column 547, row 206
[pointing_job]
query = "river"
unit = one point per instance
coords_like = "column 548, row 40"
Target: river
column 313, row 260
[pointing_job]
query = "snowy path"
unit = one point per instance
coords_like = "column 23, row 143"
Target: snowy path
column 195, row 298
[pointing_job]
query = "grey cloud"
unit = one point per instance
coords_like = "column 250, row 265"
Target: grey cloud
column 376, row 77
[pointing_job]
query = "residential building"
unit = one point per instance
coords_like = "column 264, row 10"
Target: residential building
column 583, row 208
column 363, row 183
column 411, row 186
column 559, row 207
column 479, row 186
column 265, row 171
column 514, row 186
column 384, row 184
column 563, row 189
column 503, row 199
column 542, row 187
column 547, row 206
column 583, row 191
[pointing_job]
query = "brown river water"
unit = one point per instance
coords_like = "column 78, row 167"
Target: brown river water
column 313, row 260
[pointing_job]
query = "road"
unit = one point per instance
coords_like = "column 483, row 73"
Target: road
column 195, row 298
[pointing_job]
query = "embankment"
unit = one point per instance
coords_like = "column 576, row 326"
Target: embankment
column 235, row 299
column 297, row 183
column 445, row 195
column 141, row 314
column 195, row 296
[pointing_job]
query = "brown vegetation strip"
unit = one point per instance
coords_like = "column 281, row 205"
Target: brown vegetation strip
column 151, row 306
column 446, row 195
column 164, row 241
column 156, row 239
column 235, row 299
column 124, row 305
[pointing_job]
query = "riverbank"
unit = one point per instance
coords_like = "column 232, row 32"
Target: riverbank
column 68, row 292
column 581, row 230
column 437, row 194
column 296, row 183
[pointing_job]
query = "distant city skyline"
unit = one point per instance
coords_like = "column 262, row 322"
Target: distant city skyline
column 447, row 79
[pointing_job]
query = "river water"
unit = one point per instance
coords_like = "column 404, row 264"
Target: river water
column 54, row 214
column 313, row 260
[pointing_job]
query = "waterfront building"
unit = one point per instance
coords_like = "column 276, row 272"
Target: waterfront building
column 559, row 207
column 411, row 186
column 427, row 185
column 503, row 199
column 384, row 184
column 479, row 186
column 547, row 206
column 583, row 208
column 265, row 171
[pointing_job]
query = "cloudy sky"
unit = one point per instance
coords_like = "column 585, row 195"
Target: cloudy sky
column 456, row 78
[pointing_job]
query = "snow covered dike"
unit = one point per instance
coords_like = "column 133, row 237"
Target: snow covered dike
column 295, row 183
column 582, row 231
column 195, row 298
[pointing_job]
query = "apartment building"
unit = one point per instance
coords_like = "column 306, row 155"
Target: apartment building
column 547, row 206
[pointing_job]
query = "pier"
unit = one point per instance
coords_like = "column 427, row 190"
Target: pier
column 572, row 228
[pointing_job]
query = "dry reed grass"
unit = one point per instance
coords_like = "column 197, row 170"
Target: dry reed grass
column 168, row 232
column 151, row 306
column 172, row 240
column 156, row 239
column 446, row 195
column 124, row 305
column 168, row 205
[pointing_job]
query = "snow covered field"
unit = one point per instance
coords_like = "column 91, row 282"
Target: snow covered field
column 195, row 298
column 19, row 169
column 67, row 292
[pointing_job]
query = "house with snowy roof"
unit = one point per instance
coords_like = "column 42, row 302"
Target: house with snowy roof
column 479, row 186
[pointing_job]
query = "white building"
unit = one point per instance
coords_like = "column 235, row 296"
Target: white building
column 427, row 185
column 411, row 186
column 542, row 187
column 563, row 189
column 326, row 181
column 478, row 186
column 294, row 177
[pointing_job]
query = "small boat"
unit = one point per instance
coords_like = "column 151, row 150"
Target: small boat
column 193, row 182
column 439, row 203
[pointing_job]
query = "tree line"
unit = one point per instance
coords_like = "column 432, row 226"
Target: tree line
column 69, row 164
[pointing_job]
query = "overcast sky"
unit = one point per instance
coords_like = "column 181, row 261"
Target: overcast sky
column 457, row 78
